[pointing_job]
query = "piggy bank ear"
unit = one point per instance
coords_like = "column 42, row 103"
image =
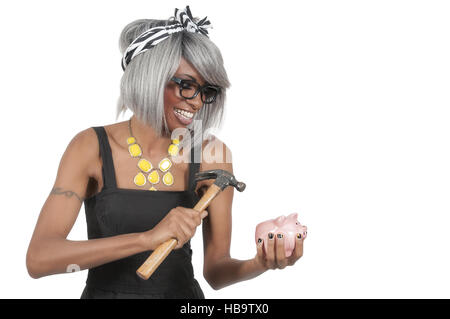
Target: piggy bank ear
column 293, row 218
column 280, row 220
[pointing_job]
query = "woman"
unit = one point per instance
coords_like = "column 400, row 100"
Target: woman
column 136, row 195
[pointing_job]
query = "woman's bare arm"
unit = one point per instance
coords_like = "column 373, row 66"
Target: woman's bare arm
column 219, row 268
column 49, row 251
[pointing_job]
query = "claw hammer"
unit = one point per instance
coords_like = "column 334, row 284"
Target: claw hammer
column 223, row 179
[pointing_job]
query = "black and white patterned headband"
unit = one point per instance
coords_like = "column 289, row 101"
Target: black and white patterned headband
column 155, row 35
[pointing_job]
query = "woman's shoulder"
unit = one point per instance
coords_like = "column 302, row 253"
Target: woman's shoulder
column 83, row 142
column 85, row 146
column 88, row 138
column 215, row 155
column 215, row 150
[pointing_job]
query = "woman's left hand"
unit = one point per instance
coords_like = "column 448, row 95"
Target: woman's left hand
column 275, row 257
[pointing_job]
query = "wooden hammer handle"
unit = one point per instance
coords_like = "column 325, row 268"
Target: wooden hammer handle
column 161, row 252
column 212, row 192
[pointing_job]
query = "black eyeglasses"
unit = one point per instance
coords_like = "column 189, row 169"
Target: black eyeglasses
column 189, row 89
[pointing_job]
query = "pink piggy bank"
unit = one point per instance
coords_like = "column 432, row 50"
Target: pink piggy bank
column 288, row 226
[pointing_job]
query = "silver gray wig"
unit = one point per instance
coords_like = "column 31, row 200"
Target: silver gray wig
column 146, row 76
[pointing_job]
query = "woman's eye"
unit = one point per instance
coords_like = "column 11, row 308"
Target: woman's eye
column 187, row 86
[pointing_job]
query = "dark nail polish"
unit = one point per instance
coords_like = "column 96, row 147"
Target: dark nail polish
column 299, row 236
column 270, row 235
column 259, row 240
column 280, row 236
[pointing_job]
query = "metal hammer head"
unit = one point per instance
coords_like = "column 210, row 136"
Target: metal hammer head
column 223, row 179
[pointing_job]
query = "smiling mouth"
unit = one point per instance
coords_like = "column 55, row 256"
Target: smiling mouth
column 185, row 114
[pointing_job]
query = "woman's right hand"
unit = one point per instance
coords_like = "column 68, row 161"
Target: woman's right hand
column 180, row 223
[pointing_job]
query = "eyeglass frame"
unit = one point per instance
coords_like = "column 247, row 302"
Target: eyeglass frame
column 199, row 89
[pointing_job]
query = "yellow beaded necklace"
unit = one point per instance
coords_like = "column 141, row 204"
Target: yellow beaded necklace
column 146, row 167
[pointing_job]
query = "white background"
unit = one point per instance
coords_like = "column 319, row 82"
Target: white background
column 339, row 110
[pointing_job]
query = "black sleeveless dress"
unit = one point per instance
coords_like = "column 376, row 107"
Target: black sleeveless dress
column 115, row 211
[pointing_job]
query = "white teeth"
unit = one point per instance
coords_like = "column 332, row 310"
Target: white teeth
column 184, row 113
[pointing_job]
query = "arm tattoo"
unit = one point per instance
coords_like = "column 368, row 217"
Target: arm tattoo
column 59, row 191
